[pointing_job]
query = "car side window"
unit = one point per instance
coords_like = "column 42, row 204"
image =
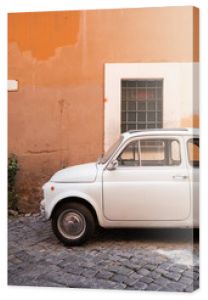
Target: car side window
column 151, row 152
column 193, row 152
column 129, row 156
column 160, row 152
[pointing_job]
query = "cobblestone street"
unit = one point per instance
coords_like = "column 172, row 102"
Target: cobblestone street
column 114, row 259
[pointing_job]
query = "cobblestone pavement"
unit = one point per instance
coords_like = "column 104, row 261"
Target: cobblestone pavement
column 115, row 259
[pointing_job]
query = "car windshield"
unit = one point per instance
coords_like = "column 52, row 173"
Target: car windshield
column 110, row 151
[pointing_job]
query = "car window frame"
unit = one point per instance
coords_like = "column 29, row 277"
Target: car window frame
column 138, row 138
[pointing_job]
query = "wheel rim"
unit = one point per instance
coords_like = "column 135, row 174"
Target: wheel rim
column 71, row 224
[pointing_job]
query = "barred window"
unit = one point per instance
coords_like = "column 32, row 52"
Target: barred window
column 141, row 104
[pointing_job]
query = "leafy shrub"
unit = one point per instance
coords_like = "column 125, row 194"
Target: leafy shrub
column 12, row 172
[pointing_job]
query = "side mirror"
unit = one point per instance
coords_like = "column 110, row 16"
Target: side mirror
column 113, row 165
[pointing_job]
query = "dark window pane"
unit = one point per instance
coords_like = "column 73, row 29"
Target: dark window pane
column 141, row 116
column 132, row 105
column 151, row 105
column 159, row 116
column 159, row 94
column 130, row 94
column 159, row 105
column 123, row 105
column 151, row 83
column 151, row 126
column 123, row 94
column 141, row 105
column 151, row 95
column 150, row 116
column 132, row 116
column 141, row 126
column 141, row 83
column 123, row 128
column 141, row 94
column 132, row 83
column 133, row 94
column 123, row 116
column 124, row 83
column 131, row 126
column 127, row 93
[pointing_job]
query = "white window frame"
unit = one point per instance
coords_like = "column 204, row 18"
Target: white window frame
column 180, row 92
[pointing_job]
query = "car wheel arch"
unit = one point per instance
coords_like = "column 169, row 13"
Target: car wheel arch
column 80, row 200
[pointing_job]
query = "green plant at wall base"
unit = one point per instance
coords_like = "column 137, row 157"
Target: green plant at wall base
column 12, row 172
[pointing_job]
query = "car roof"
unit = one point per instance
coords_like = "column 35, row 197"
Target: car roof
column 162, row 131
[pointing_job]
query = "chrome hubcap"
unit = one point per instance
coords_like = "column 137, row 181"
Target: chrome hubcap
column 71, row 224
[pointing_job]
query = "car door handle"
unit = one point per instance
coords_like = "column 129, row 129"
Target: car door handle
column 180, row 177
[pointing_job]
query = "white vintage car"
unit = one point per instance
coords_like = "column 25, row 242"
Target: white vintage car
column 146, row 179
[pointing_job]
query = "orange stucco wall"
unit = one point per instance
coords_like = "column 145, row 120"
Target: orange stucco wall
column 56, row 116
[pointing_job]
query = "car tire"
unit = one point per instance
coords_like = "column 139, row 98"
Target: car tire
column 73, row 223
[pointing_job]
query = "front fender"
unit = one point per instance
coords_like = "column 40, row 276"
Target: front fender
column 50, row 205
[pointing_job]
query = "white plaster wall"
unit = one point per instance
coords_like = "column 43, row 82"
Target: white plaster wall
column 180, row 92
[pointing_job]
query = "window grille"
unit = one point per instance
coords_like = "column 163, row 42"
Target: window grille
column 141, row 104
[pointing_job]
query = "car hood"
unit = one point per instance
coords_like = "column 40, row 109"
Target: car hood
column 79, row 173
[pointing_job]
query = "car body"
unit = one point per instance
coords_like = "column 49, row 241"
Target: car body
column 148, row 178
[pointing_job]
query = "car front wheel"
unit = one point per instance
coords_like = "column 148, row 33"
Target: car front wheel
column 73, row 223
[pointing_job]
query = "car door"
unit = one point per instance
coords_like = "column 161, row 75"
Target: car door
column 150, row 182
